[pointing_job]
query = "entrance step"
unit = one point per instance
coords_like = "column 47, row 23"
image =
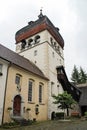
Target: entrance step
column 21, row 120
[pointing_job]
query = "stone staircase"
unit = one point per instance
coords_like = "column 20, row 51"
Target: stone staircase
column 21, row 120
column 67, row 86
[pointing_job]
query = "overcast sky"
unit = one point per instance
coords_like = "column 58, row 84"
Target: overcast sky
column 70, row 16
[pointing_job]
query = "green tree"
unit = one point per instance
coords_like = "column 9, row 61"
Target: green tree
column 64, row 101
column 78, row 76
column 75, row 75
column 83, row 76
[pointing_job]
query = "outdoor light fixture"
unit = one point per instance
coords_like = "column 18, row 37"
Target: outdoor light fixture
column 18, row 87
column 36, row 109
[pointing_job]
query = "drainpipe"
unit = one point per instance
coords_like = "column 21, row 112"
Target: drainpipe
column 5, row 92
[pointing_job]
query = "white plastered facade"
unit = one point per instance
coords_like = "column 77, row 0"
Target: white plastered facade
column 47, row 59
column 3, row 78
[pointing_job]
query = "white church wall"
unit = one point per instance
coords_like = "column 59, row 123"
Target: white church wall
column 47, row 58
column 2, row 86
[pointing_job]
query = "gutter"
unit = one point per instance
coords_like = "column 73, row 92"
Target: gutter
column 5, row 92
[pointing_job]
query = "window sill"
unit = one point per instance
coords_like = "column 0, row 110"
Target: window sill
column 31, row 102
column 41, row 103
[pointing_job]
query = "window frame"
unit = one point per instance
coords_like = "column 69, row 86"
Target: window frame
column 53, row 54
column 52, row 88
column 30, row 90
column 37, row 39
column 23, row 44
column 18, row 82
column 30, row 42
column 35, row 53
column 51, row 41
column 41, row 93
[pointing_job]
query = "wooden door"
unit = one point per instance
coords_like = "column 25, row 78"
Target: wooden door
column 17, row 106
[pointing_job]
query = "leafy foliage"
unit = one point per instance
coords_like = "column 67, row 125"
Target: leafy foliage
column 86, row 113
column 83, row 76
column 75, row 75
column 78, row 76
column 64, row 100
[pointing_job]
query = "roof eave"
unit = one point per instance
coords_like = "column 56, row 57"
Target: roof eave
column 39, row 28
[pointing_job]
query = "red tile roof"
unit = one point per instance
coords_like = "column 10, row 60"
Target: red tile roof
column 39, row 25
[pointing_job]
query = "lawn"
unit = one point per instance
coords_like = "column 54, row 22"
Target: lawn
column 55, row 125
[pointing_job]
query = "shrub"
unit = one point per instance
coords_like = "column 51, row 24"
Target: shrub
column 10, row 124
column 9, row 108
column 85, row 113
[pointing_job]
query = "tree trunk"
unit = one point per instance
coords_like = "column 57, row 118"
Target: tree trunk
column 67, row 112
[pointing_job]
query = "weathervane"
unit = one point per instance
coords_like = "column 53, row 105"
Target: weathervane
column 41, row 15
column 41, row 10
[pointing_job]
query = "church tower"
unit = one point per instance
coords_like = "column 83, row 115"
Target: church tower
column 41, row 42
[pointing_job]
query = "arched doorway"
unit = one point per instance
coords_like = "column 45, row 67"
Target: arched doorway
column 53, row 115
column 17, row 106
column 83, row 110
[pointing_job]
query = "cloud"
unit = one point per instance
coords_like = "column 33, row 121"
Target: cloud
column 69, row 16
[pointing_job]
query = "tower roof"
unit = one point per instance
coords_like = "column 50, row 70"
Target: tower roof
column 34, row 27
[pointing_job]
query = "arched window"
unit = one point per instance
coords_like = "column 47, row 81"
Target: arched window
column 37, row 39
column 51, row 40
column 55, row 45
column 58, row 48
column 30, row 41
column 31, row 90
column 52, row 88
column 35, row 52
column 23, row 44
column 41, row 92
column 18, row 79
column 53, row 55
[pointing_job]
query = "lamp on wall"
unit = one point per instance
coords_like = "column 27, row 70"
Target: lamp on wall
column 36, row 109
column 18, row 87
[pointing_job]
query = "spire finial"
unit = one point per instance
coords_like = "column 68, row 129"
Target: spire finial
column 41, row 15
column 41, row 10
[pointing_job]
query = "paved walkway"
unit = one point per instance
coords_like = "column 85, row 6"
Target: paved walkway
column 56, row 125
